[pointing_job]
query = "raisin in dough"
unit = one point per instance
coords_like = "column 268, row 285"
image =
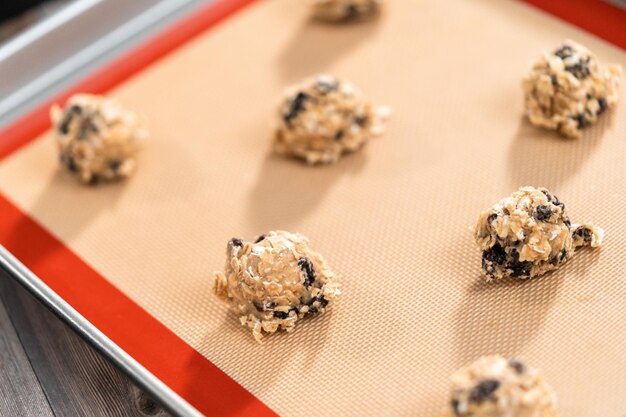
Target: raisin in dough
column 493, row 386
column 344, row 10
column 275, row 281
column 97, row 139
column 568, row 89
column 324, row 118
column 528, row 234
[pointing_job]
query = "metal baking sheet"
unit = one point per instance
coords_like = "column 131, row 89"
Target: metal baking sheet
column 79, row 38
column 131, row 265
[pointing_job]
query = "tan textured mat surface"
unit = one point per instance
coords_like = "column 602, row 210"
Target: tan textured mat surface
column 392, row 220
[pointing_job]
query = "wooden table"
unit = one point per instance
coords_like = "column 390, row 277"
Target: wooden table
column 48, row 370
column 45, row 368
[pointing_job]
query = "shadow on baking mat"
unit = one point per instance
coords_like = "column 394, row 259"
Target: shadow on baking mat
column 543, row 158
column 264, row 362
column 69, row 205
column 317, row 45
column 286, row 189
column 503, row 317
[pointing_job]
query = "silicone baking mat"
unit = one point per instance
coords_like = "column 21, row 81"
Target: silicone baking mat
column 136, row 258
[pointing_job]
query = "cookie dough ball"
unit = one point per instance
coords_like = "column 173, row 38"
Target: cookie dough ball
column 568, row 89
column 496, row 387
column 324, row 118
column 344, row 10
column 97, row 139
column 275, row 281
column 528, row 234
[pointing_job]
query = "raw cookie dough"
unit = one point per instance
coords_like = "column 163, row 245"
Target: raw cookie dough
column 528, row 234
column 97, row 139
column 324, row 118
column 493, row 386
column 344, row 10
column 275, row 281
column 568, row 89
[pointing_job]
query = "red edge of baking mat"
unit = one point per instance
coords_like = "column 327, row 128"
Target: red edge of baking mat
column 598, row 17
column 133, row 329
column 157, row 348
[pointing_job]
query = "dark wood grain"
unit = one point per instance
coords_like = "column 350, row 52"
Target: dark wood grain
column 76, row 379
column 20, row 393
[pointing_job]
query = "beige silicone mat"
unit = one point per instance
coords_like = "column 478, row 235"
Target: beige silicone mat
column 392, row 220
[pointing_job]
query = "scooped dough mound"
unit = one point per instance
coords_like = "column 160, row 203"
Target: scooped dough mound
column 568, row 89
column 344, row 10
column 324, row 118
column 275, row 281
column 493, row 386
column 97, row 139
column 528, row 234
